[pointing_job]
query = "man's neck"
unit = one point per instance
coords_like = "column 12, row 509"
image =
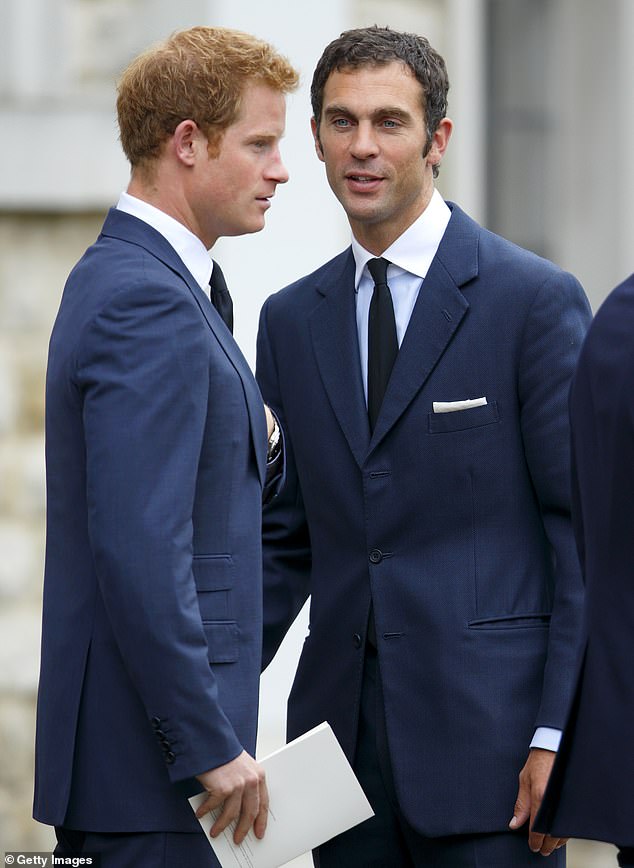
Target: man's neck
column 377, row 237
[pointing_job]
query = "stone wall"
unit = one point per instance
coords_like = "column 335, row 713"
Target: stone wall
column 36, row 253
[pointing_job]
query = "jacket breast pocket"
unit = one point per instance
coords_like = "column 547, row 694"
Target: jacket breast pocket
column 214, row 578
column 462, row 420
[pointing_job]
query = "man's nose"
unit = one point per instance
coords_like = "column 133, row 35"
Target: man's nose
column 364, row 142
column 277, row 170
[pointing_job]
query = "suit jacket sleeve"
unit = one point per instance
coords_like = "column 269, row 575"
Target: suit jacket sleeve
column 577, row 502
column 285, row 537
column 143, row 370
column 554, row 331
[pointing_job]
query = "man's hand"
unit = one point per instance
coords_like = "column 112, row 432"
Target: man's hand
column 533, row 779
column 270, row 421
column 239, row 788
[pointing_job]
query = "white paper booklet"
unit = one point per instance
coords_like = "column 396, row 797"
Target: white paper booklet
column 314, row 795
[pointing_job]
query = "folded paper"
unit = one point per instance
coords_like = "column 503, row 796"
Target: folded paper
column 314, row 795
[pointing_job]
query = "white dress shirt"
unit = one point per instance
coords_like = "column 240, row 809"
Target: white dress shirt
column 188, row 246
column 410, row 257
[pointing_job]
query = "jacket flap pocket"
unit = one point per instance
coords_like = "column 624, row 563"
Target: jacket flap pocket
column 511, row 622
column 222, row 641
column 213, row 572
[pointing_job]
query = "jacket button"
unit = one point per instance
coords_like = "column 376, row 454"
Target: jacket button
column 156, row 722
column 169, row 757
column 357, row 641
column 376, row 556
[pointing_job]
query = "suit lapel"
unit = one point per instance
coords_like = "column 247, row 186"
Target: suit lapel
column 333, row 330
column 128, row 228
column 437, row 314
column 255, row 404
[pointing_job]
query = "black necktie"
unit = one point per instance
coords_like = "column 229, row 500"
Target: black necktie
column 220, row 297
column 382, row 341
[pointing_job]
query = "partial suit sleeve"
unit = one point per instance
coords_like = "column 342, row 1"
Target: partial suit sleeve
column 554, row 331
column 142, row 369
column 285, row 536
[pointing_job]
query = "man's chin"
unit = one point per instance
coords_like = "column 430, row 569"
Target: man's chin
column 247, row 228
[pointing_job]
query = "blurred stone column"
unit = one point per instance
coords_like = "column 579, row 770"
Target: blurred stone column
column 36, row 252
column 465, row 27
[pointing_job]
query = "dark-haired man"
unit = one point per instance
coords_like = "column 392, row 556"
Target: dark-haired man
column 421, row 377
column 156, row 439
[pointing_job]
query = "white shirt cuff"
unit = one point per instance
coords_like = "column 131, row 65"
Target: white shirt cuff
column 546, row 738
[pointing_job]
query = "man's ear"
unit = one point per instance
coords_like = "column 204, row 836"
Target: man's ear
column 187, row 140
column 439, row 142
column 315, row 130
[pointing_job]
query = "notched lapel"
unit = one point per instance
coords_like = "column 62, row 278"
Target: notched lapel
column 333, row 329
column 437, row 314
column 253, row 398
column 435, row 320
column 130, row 229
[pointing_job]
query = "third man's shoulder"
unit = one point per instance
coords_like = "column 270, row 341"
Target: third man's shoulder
column 618, row 300
column 613, row 323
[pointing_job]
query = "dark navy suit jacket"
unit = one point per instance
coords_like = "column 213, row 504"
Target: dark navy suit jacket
column 457, row 523
column 591, row 793
column 156, row 451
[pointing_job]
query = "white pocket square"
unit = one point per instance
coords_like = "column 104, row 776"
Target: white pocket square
column 452, row 406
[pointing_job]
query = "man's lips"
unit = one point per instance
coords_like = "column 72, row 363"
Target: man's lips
column 363, row 181
column 265, row 200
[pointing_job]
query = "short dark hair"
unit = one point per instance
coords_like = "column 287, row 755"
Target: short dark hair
column 377, row 46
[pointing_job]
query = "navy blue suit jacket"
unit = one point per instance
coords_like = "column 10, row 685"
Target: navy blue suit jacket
column 156, row 452
column 591, row 792
column 458, row 523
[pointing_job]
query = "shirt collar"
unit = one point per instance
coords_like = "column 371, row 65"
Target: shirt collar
column 414, row 249
column 188, row 246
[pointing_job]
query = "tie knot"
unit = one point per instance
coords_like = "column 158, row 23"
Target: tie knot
column 378, row 270
column 217, row 281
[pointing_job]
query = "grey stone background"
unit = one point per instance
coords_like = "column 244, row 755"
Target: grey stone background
column 35, row 253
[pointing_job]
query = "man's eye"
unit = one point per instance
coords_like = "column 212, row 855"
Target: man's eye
column 342, row 122
column 390, row 124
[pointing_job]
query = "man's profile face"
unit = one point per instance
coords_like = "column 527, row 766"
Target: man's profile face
column 230, row 193
column 372, row 137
